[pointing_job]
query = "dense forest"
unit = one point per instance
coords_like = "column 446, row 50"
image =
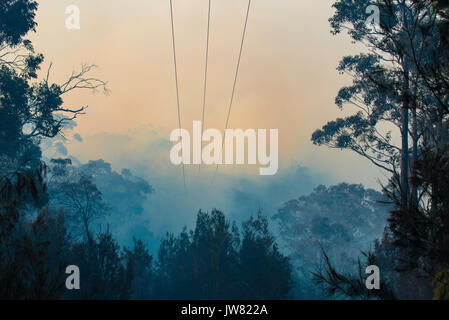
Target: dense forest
column 55, row 212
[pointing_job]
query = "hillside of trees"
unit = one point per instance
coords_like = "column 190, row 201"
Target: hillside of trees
column 55, row 213
column 341, row 219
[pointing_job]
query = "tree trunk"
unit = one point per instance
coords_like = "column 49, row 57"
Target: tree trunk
column 404, row 155
column 404, row 124
column 86, row 227
column 414, row 191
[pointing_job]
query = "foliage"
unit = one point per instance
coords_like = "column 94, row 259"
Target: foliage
column 211, row 262
column 32, row 253
column 93, row 192
column 421, row 232
column 104, row 274
column 402, row 81
column 400, row 85
column 75, row 191
column 441, row 283
column 352, row 285
column 266, row 273
column 341, row 219
column 29, row 109
column 118, row 187
column 139, row 266
column 16, row 20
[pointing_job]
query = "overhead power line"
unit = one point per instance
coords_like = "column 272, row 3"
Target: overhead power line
column 205, row 78
column 177, row 87
column 235, row 78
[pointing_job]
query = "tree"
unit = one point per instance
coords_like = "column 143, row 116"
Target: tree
column 403, row 81
column 340, row 219
column 33, row 252
column 139, row 268
column 260, row 256
column 200, row 264
column 390, row 85
column 75, row 191
column 111, row 194
column 174, row 269
column 211, row 262
column 123, row 191
column 104, row 273
column 421, row 232
column 31, row 110
column 350, row 285
column 214, row 252
column 16, row 20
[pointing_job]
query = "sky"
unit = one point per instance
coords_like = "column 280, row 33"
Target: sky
column 288, row 81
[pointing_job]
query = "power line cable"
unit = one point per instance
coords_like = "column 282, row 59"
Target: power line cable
column 235, row 79
column 205, row 79
column 177, row 88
